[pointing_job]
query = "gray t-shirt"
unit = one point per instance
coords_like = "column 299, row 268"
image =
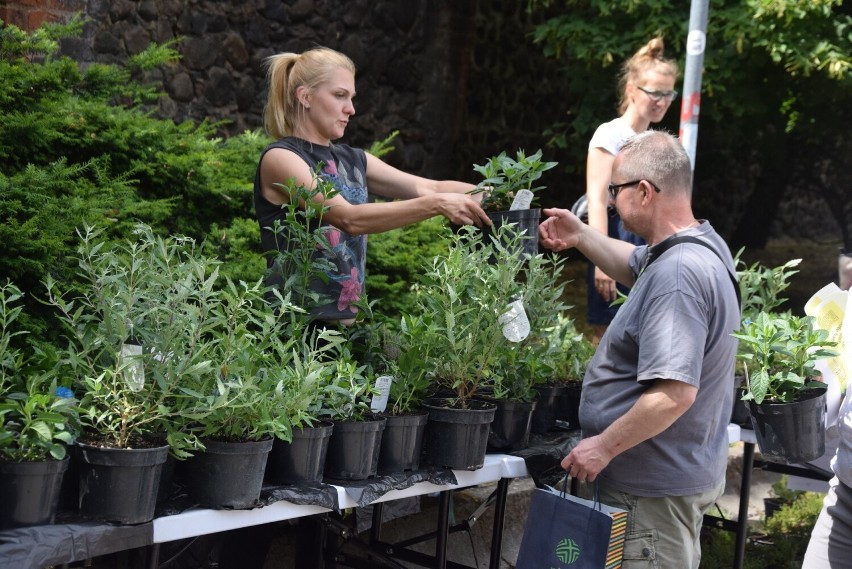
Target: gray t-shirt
column 676, row 324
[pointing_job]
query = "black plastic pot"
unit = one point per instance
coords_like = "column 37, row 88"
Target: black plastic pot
column 791, row 432
column 228, row 474
column 546, row 411
column 29, row 492
column 510, row 429
column 303, row 459
column 402, row 442
column 69, row 495
column 457, row 438
column 525, row 219
column 569, row 405
column 119, row 485
column 353, row 449
column 739, row 409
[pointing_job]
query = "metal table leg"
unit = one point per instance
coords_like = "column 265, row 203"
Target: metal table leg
column 742, row 516
column 443, row 530
column 499, row 517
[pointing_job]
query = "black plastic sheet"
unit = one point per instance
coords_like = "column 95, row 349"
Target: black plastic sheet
column 545, row 453
column 42, row 546
column 313, row 494
column 367, row 491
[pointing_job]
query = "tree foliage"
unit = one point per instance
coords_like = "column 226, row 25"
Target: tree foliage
column 775, row 93
column 82, row 146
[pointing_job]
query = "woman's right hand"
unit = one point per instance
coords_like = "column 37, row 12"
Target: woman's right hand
column 462, row 209
column 605, row 286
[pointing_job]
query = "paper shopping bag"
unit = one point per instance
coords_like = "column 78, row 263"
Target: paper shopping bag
column 566, row 532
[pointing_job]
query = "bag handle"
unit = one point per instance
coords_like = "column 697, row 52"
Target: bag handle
column 597, row 492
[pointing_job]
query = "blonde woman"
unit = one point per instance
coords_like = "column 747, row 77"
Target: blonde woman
column 646, row 84
column 309, row 106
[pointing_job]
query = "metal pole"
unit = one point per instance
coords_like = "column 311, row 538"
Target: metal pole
column 695, row 44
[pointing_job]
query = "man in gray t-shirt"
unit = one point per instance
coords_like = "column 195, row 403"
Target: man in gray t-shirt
column 657, row 394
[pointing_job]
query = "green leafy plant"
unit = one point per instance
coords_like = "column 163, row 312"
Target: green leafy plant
column 459, row 300
column 38, row 418
column 136, row 333
column 79, row 145
column 761, row 286
column 263, row 377
column 779, row 352
column 505, row 176
column 394, row 259
column 523, row 365
column 299, row 260
column 570, row 351
column 781, row 491
column 347, row 395
column 408, row 361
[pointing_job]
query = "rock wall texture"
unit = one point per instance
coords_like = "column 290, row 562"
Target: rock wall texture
column 458, row 78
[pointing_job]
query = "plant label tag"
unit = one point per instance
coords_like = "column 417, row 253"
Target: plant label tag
column 380, row 398
column 523, row 200
column 516, row 325
column 134, row 370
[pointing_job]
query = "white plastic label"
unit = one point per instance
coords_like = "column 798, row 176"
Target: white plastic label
column 134, row 372
column 516, row 325
column 380, row 399
column 523, row 200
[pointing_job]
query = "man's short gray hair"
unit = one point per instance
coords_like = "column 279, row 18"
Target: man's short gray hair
column 659, row 157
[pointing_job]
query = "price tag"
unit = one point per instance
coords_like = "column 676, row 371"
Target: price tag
column 523, row 200
column 380, row 399
column 516, row 325
column 134, row 370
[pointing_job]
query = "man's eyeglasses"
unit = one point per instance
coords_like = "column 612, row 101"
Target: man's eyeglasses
column 658, row 96
column 615, row 188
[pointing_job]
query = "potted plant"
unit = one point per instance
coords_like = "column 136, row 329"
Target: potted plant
column 785, row 397
column 504, row 177
column 525, row 364
column 355, row 443
column 299, row 457
column 568, row 353
column 136, row 333
column 405, row 367
column 38, row 420
column 252, row 396
column 761, row 289
column 460, row 301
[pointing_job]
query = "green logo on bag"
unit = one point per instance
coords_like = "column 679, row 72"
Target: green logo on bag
column 567, row 551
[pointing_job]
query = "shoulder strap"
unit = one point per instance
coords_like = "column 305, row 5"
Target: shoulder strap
column 658, row 251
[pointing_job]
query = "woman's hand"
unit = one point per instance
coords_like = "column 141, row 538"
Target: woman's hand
column 605, row 286
column 462, row 209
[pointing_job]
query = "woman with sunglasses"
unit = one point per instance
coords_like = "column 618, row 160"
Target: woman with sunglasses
column 646, row 84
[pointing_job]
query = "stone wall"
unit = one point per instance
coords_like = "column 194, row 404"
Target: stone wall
column 458, row 78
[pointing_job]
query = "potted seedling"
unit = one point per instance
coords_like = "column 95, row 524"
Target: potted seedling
column 463, row 302
column 355, row 443
column 252, row 396
column 402, row 369
column 782, row 386
column 569, row 352
column 136, row 334
column 524, row 365
column 38, row 420
column 761, row 289
column 509, row 191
